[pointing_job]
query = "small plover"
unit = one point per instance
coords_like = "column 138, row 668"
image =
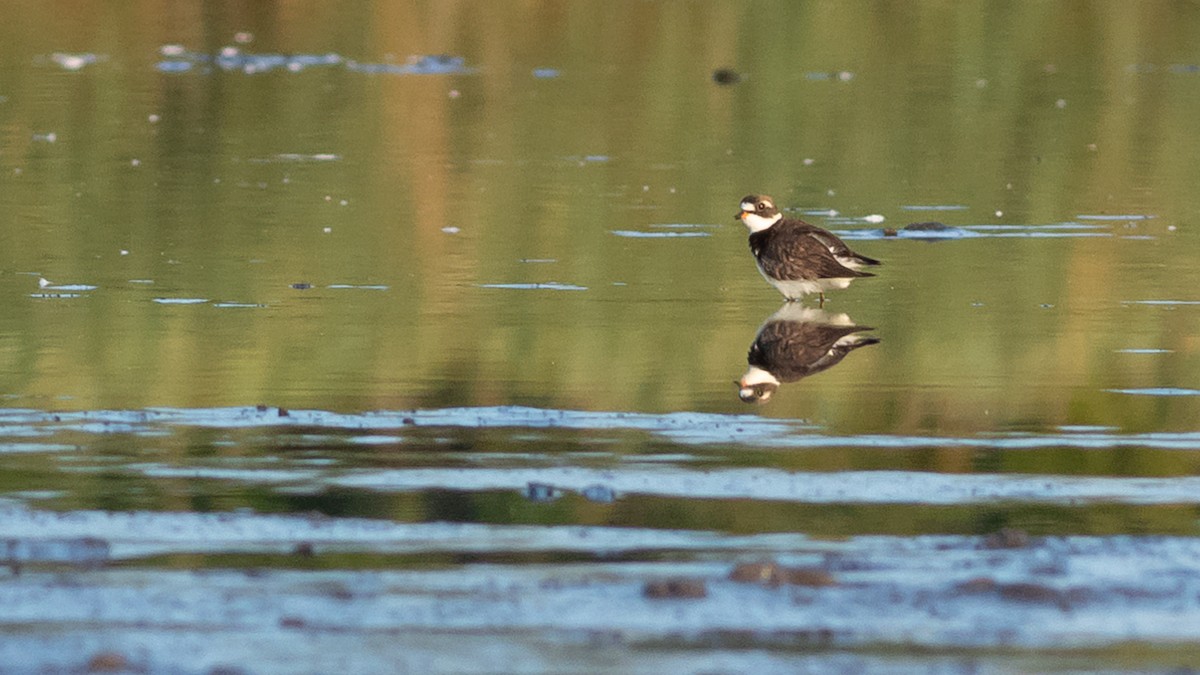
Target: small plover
column 795, row 257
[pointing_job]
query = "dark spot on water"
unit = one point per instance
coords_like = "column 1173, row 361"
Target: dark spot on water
column 931, row 226
column 1032, row 593
column 599, row 493
column 302, row 285
column 304, row 549
column 84, row 552
column 434, row 64
column 261, row 408
column 754, row 573
column 889, row 232
column 807, row 576
column 283, row 412
column 541, row 492
column 107, row 662
column 726, row 76
column 408, row 421
column 677, row 589
column 1006, row 537
column 773, row 574
column 976, row 585
column 292, row 622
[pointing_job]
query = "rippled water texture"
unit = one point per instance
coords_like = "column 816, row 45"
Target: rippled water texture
column 414, row 336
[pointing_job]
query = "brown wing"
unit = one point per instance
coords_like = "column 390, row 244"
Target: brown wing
column 835, row 244
column 802, row 256
column 831, row 241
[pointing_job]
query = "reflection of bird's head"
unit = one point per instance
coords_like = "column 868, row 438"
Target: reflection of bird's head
column 758, row 212
column 756, row 393
column 756, row 386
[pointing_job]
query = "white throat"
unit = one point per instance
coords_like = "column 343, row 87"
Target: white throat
column 756, row 375
column 756, row 223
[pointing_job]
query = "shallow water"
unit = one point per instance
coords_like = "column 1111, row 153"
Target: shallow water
column 406, row 333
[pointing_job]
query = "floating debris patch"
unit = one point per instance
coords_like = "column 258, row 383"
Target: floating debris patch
column 541, row 286
column 662, row 234
column 81, row 551
column 933, row 207
column 437, row 64
column 925, row 231
column 858, row 487
column 133, row 534
column 1105, row 216
column 937, row 231
column 178, row 59
column 692, row 427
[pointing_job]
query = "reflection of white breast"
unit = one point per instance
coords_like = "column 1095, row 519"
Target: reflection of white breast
column 794, row 288
column 790, row 311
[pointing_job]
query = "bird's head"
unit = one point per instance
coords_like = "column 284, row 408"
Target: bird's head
column 758, row 212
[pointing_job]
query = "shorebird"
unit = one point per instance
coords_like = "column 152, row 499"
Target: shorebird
column 795, row 257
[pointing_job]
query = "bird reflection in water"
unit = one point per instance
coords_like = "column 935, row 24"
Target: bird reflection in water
column 794, row 343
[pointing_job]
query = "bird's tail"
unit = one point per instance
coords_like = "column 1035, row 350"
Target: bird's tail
column 860, row 259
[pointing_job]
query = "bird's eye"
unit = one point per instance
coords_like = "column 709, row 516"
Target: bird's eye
column 762, row 206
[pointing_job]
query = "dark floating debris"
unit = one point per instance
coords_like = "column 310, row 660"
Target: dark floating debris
column 82, row 552
column 976, row 585
column 599, row 493
column 436, row 64
column 1022, row 592
column 726, row 76
column 1006, row 537
column 769, row 573
column 302, row 285
column 675, row 589
column 931, row 226
column 927, row 230
column 108, row 662
column 542, row 492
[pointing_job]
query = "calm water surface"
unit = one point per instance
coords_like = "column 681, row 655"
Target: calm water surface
column 406, row 333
